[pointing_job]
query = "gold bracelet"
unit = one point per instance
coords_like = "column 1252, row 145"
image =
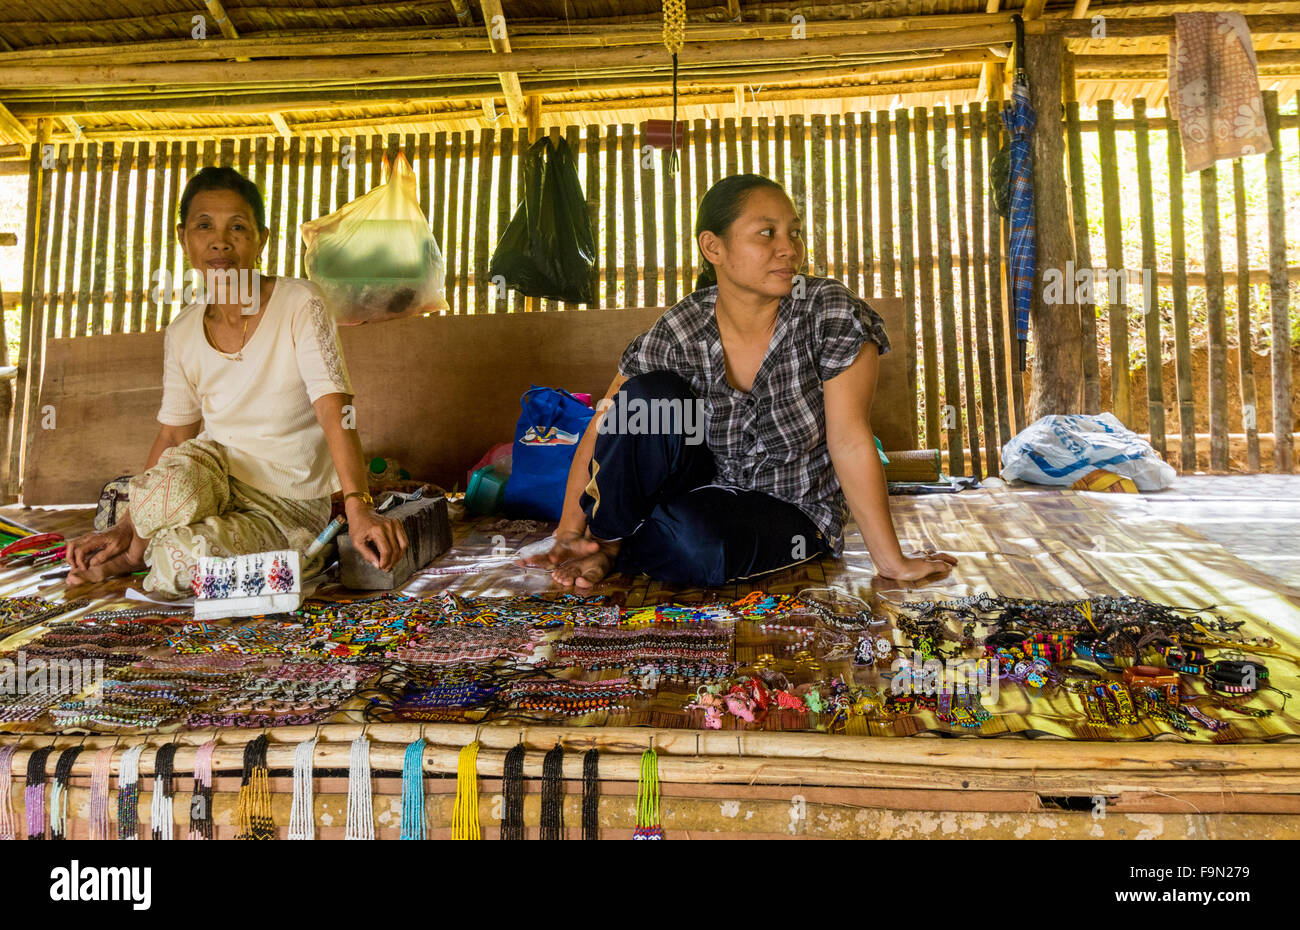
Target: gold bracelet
column 364, row 495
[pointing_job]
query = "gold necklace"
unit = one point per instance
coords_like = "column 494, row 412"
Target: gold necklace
column 237, row 356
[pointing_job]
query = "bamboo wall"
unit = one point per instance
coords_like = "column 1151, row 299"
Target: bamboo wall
column 893, row 203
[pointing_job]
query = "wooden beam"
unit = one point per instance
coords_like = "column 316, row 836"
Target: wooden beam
column 230, row 32
column 1033, row 9
column 1159, row 64
column 12, row 129
column 540, row 62
column 1080, row 9
column 280, row 125
column 495, row 22
column 463, row 15
column 733, row 10
column 1128, row 27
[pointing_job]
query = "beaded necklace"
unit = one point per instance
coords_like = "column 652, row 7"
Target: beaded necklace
column 59, row 792
column 512, row 815
column 34, row 794
column 128, row 794
column 100, row 771
column 162, row 808
column 302, row 816
column 552, row 820
column 361, row 812
column 6, row 791
column 413, row 791
column 591, row 794
column 693, row 652
column 253, row 809
column 464, row 817
column 648, row 826
column 201, row 799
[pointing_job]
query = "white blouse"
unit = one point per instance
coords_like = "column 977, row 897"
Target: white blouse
column 260, row 407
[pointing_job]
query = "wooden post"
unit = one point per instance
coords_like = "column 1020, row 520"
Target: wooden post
column 533, row 121
column 1283, row 416
column 1117, row 308
column 1082, row 245
column 967, row 327
column 925, row 256
column 820, row 230
column 1217, row 334
column 1245, row 357
column 1058, row 337
column 852, row 263
column 1182, row 331
column 979, row 207
column 1150, row 293
column 952, row 416
column 998, row 290
column 906, row 247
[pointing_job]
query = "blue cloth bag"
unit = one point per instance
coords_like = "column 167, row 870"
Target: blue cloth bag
column 546, row 437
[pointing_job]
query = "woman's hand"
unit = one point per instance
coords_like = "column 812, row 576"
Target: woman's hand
column 928, row 566
column 96, row 548
column 381, row 540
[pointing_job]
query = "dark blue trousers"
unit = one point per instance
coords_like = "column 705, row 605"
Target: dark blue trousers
column 650, row 487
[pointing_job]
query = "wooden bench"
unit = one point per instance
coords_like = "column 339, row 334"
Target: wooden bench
column 434, row 393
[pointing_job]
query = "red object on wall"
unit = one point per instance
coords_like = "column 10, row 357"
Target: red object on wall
column 659, row 133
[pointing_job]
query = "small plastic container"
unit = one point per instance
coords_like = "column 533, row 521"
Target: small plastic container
column 487, row 488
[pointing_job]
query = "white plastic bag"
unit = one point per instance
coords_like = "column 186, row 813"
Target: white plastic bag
column 375, row 258
column 1059, row 450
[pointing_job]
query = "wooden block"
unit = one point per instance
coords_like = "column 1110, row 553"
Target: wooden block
column 428, row 532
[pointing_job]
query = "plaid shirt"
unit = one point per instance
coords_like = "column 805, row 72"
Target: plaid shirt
column 772, row 439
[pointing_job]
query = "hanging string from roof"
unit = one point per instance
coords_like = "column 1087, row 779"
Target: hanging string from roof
column 674, row 39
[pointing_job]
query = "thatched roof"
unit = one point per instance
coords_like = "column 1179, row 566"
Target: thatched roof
column 112, row 68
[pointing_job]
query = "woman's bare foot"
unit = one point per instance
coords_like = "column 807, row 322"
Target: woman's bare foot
column 586, row 571
column 132, row 560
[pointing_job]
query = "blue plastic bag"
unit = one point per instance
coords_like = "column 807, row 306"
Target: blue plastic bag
column 546, row 437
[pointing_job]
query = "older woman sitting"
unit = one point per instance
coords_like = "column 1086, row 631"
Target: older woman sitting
column 257, row 428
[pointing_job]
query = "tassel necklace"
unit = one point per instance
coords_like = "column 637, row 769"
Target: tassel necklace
column 302, row 817
column 34, row 795
column 647, row 799
column 59, row 793
column 591, row 794
column 100, row 770
column 201, row 801
column 253, row 812
column 413, row 791
column 553, row 794
column 128, row 794
column 361, row 811
column 464, row 817
column 512, row 819
column 163, row 808
column 6, row 791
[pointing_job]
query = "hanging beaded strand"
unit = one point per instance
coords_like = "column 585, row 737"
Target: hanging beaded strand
column 59, row 793
column 361, row 811
column 302, row 817
column 201, row 800
column 591, row 794
column 162, row 810
column 100, row 770
column 464, row 818
column 553, row 794
column 648, row 826
column 512, row 816
column 6, row 791
column 413, row 791
column 34, row 793
column 253, row 812
column 128, row 794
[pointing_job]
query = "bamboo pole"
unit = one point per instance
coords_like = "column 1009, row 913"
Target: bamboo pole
column 593, row 207
column 906, row 227
column 611, row 228
column 306, row 202
column 627, row 160
column 327, row 184
column 135, row 293
column 1002, row 373
column 668, row 232
column 1182, row 329
column 799, row 167
column 780, row 150
column 120, row 202
column 650, row 236
column 967, row 323
column 715, row 151
column 817, row 165
column 925, row 249
column 276, row 189
column 426, row 194
column 458, row 64
column 1117, row 308
column 1217, row 335
column 59, row 212
column 1082, row 255
column 465, row 204
column 157, row 245
column 731, row 153
column 952, row 417
column 885, row 224
column 293, row 187
column 747, row 144
column 21, row 410
column 505, row 201
column 86, row 264
column 73, row 219
column 1245, row 340
column 1150, row 296
column 108, row 161
column 686, row 200
column 1279, row 309
column 764, row 148
column 482, row 220
column 853, row 125
column 454, row 194
column 172, row 220
column 979, row 205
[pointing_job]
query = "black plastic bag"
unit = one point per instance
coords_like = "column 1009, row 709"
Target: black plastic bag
column 548, row 249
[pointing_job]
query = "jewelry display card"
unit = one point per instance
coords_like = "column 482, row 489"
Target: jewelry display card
column 246, row 585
